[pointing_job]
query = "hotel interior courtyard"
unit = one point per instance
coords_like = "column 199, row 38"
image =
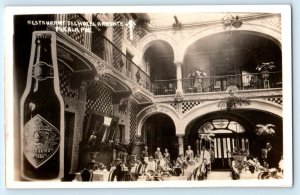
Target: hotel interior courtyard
column 205, row 86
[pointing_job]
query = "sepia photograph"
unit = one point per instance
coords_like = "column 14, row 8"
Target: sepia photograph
column 157, row 96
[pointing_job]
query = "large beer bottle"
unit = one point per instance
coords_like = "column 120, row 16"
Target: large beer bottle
column 42, row 113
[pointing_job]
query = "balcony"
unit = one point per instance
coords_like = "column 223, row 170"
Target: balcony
column 116, row 60
column 164, row 87
column 249, row 81
column 124, row 65
column 105, row 50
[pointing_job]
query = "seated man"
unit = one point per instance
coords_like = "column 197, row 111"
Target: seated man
column 180, row 160
column 167, row 155
column 151, row 165
column 161, row 164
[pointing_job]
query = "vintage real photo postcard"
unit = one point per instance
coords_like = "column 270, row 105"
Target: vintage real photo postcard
column 148, row 96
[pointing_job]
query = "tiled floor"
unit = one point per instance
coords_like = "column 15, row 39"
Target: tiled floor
column 214, row 175
column 219, row 175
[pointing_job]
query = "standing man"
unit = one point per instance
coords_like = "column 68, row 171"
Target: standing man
column 205, row 158
column 157, row 154
column 271, row 157
column 189, row 154
column 145, row 155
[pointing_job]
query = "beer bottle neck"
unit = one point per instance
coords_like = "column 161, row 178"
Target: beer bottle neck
column 43, row 76
column 43, row 50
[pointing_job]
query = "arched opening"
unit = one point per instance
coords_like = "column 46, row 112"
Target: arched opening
column 158, row 61
column 221, row 132
column 159, row 131
column 230, row 58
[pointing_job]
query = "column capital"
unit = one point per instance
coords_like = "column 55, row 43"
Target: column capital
column 178, row 63
column 180, row 135
column 83, row 84
column 82, row 91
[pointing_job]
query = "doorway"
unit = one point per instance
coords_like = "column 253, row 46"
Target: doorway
column 220, row 136
column 69, row 134
column 223, row 145
column 159, row 131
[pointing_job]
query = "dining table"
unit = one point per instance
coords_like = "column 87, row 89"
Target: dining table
column 98, row 175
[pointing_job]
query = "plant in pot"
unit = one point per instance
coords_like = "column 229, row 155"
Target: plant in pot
column 232, row 102
column 265, row 130
column 239, row 155
column 207, row 137
column 264, row 69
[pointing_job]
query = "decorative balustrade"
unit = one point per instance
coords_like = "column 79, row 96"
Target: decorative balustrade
column 107, row 51
column 126, row 66
column 72, row 26
column 164, row 87
column 240, row 81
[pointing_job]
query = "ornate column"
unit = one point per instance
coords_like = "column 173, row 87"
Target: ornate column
column 179, row 77
column 180, row 144
column 82, row 91
column 114, row 155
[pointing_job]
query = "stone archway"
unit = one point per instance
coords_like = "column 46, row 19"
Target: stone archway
column 157, row 124
column 261, row 30
column 154, row 109
column 146, row 41
column 209, row 107
column 243, row 124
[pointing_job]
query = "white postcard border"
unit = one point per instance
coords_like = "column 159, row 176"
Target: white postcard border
column 285, row 11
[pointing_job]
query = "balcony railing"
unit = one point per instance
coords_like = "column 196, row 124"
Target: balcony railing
column 164, row 87
column 124, row 65
column 240, row 81
column 107, row 51
column 77, row 35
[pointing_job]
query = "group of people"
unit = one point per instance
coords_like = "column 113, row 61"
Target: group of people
column 268, row 164
column 162, row 161
column 159, row 162
column 198, row 81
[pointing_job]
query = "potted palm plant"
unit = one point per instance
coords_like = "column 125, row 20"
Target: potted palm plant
column 266, row 130
column 264, row 69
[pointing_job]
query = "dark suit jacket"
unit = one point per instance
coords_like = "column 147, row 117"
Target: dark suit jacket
column 272, row 158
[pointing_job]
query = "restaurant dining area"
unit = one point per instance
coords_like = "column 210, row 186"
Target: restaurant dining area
column 191, row 97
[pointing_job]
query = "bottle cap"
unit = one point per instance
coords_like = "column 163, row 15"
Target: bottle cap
column 43, row 35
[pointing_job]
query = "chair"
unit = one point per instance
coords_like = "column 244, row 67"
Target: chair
column 208, row 168
column 86, row 175
column 217, row 86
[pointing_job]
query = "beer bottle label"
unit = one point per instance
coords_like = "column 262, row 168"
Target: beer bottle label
column 41, row 141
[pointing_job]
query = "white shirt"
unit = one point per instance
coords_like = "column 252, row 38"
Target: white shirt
column 151, row 166
column 205, row 155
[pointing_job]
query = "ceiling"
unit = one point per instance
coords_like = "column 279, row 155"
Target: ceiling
column 159, row 21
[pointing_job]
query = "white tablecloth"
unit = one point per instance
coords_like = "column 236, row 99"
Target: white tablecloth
column 97, row 176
